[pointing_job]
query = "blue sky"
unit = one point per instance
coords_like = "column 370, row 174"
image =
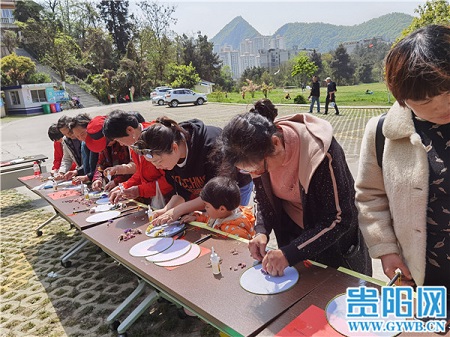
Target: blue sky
column 267, row 16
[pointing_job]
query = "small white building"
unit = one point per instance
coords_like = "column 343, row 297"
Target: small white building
column 29, row 99
column 205, row 87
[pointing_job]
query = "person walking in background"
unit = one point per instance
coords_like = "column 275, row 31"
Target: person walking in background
column 404, row 204
column 314, row 95
column 303, row 188
column 331, row 96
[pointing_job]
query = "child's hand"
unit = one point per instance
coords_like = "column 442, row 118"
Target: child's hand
column 187, row 218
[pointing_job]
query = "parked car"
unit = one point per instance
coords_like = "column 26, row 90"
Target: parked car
column 159, row 91
column 158, row 100
column 183, row 96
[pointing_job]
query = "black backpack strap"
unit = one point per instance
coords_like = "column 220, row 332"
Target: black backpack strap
column 379, row 140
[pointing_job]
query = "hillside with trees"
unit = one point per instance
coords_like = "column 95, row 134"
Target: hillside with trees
column 320, row 36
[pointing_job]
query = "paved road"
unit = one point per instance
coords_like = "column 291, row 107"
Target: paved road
column 28, row 136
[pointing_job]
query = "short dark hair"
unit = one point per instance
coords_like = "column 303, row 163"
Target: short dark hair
column 266, row 108
column 80, row 120
column 116, row 123
column 418, row 66
column 64, row 121
column 221, row 191
column 53, row 133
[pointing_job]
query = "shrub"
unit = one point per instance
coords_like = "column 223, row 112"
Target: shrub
column 299, row 99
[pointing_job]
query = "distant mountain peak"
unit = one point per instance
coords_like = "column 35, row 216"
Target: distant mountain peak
column 321, row 36
column 234, row 32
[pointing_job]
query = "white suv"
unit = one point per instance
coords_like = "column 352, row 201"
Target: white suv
column 160, row 91
column 183, row 96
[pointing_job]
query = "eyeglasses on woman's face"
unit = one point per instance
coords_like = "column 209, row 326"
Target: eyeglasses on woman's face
column 147, row 153
column 254, row 171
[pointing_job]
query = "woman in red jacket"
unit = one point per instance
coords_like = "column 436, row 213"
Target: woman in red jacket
column 125, row 128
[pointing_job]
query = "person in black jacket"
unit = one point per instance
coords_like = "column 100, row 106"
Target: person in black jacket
column 331, row 96
column 314, row 95
column 183, row 151
column 304, row 190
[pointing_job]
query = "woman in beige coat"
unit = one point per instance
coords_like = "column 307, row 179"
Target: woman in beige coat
column 404, row 207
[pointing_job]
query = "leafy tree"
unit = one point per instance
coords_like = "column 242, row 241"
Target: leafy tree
column 37, row 78
column 316, row 58
column 200, row 53
column 115, row 15
column 63, row 54
column 254, row 74
column 303, row 67
column 225, row 79
column 158, row 19
column 432, row 12
column 14, row 68
column 341, row 66
column 27, row 10
column 183, row 76
column 265, row 88
column 10, row 40
column 251, row 87
column 98, row 51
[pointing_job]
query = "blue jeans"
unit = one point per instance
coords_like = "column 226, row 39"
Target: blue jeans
column 246, row 193
column 313, row 100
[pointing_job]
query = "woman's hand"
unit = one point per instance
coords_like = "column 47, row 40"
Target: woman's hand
column 81, row 179
column 97, row 185
column 257, row 247
column 160, row 217
column 109, row 186
column 58, row 176
column 392, row 262
column 112, row 171
column 69, row 175
column 115, row 195
column 275, row 262
column 187, row 218
column 131, row 193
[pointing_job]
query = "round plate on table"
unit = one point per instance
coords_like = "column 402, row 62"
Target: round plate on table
column 103, row 208
column 254, row 281
column 102, row 201
column 179, row 248
column 104, row 216
column 336, row 313
column 166, row 230
column 191, row 255
column 151, row 247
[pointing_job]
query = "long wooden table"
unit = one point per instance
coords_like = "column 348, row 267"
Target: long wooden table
column 219, row 300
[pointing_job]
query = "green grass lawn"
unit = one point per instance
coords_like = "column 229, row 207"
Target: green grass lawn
column 354, row 95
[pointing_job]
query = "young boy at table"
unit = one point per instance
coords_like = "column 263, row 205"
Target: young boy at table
column 222, row 197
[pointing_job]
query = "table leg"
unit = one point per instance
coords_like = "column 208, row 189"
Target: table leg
column 73, row 251
column 38, row 230
column 113, row 317
column 140, row 309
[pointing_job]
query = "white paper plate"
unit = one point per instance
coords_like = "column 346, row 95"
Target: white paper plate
column 168, row 230
column 151, row 247
column 103, row 216
column 179, row 248
column 102, row 201
column 103, row 208
column 191, row 255
column 336, row 312
column 254, row 281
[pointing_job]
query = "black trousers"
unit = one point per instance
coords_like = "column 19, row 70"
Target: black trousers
column 332, row 99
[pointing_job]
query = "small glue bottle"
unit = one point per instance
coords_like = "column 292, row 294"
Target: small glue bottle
column 215, row 262
column 55, row 185
column 150, row 214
